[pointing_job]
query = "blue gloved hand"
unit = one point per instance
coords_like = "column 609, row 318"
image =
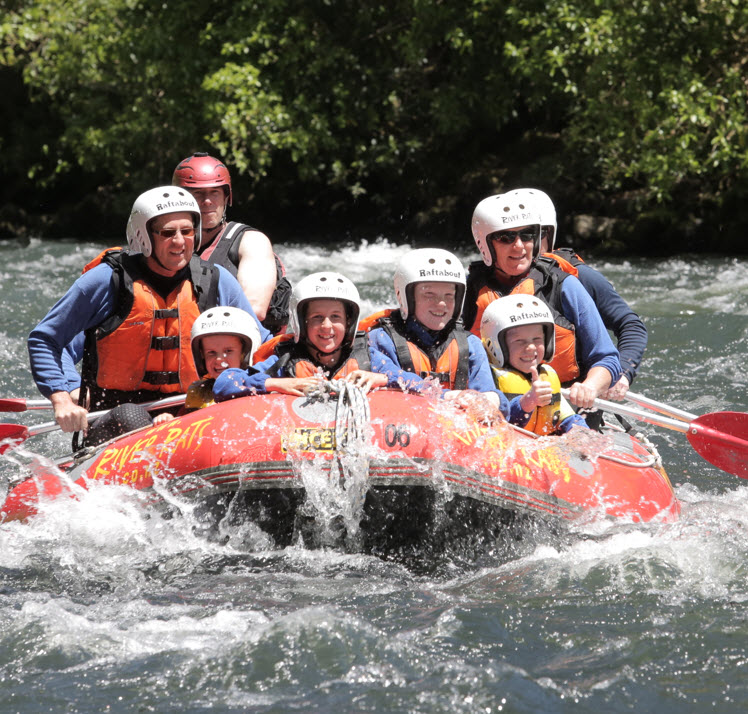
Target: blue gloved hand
column 232, row 383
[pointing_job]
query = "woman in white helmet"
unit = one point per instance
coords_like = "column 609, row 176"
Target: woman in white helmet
column 518, row 333
column 136, row 309
column 507, row 231
column 322, row 344
column 423, row 345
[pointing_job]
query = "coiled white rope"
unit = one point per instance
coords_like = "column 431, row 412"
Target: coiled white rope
column 351, row 417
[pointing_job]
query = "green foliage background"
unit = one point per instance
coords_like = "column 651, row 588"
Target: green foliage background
column 385, row 116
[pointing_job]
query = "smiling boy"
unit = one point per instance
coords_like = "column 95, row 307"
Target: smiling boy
column 423, row 344
column 519, row 336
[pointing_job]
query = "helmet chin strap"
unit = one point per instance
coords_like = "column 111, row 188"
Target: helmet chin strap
column 155, row 257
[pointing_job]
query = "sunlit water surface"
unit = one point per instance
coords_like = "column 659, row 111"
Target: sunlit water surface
column 107, row 607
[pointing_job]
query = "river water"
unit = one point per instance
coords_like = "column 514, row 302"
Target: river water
column 105, row 607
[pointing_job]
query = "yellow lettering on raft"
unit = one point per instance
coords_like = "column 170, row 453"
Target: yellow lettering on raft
column 308, row 439
column 471, row 436
column 520, row 470
column 106, row 457
column 549, row 459
column 177, row 437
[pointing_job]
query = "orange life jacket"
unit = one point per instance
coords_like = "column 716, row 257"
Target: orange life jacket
column 448, row 360
column 566, row 259
column 546, row 283
column 307, row 368
column 266, row 349
column 144, row 346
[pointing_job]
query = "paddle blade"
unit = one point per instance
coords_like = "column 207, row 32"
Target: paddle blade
column 722, row 439
column 11, row 435
column 12, row 405
column 17, row 404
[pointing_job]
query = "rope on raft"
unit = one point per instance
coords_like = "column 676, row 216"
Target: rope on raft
column 352, row 414
column 351, row 417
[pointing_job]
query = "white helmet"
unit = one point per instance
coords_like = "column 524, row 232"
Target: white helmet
column 543, row 205
column 225, row 321
column 323, row 286
column 513, row 311
column 158, row 202
column 502, row 212
column 428, row 265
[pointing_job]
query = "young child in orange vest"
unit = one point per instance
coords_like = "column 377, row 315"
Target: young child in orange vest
column 423, row 346
column 222, row 338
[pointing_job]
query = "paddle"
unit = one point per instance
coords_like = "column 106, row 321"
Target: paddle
column 721, row 437
column 648, row 403
column 13, row 404
column 14, row 434
column 18, row 404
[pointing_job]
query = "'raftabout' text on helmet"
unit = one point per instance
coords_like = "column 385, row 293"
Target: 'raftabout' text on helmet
column 428, row 265
column 502, row 212
column 513, row 311
column 225, row 321
column 541, row 203
column 159, row 202
column 203, row 171
column 324, row 285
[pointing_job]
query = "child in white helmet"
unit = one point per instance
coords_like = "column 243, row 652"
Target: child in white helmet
column 322, row 344
column 519, row 336
column 222, row 338
column 423, row 344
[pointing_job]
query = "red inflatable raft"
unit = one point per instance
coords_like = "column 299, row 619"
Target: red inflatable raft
column 404, row 452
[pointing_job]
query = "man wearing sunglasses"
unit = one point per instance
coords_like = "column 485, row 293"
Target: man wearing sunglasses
column 130, row 316
column 507, row 231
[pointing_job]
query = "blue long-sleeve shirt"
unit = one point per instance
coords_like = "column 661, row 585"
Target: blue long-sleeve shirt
column 384, row 359
column 234, row 382
column 594, row 346
column 618, row 317
column 71, row 355
column 56, row 342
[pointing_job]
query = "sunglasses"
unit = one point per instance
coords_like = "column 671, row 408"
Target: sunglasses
column 526, row 235
column 171, row 232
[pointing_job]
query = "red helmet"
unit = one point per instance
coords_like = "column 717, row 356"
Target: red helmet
column 202, row 171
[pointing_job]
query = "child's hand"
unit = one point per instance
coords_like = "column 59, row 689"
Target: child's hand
column 296, row 386
column 367, row 380
column 162, row 418
column 231, row 383
column 540, row 393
